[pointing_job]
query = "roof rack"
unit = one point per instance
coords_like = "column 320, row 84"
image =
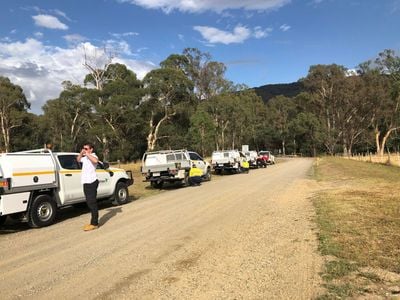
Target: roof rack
column 166, row 151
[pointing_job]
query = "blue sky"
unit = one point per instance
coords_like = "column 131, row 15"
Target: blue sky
column 43, row 42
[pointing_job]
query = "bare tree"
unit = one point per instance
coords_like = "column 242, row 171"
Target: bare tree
column 97, row 61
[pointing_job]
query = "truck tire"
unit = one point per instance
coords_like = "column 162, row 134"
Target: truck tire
column 2, row 220
column 42, row 212
column 157, row 184
column 121, row 193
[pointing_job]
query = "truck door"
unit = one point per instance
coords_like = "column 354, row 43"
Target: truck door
column 71, row 189
column 105, row 189
column 198, row 160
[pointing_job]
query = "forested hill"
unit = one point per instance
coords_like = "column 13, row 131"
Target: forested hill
column 269, row 91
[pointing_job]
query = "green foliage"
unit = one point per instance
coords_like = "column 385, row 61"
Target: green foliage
column 13, row 107
column 188, row 103
column 269, row 91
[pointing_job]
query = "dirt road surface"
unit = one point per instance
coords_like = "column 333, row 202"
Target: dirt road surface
column 245, row 236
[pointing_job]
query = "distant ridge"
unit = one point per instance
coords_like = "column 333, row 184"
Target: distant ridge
column 269, row 91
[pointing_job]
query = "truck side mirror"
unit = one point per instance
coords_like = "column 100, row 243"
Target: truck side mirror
column 105, row 165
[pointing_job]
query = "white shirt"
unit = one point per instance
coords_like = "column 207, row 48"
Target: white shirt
column 88, row 170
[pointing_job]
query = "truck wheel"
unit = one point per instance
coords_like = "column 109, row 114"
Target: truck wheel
column 2, row 220
column 121, row 194
column 42, row 212
column 157, row 184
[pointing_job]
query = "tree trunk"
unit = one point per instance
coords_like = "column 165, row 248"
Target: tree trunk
column 384, row 140
column 377, row 142
column 152, row 137
column 4, row 132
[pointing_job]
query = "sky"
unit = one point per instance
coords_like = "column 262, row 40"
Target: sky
column 44, row 42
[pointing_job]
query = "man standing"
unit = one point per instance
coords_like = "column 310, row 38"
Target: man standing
column 90, row 183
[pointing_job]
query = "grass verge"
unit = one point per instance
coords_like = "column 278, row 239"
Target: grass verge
column 358, row 214
column 139, row 189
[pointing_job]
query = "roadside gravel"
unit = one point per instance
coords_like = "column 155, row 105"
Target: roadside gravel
column 246, row 236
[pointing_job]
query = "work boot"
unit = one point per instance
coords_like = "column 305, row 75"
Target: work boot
column 90, row 227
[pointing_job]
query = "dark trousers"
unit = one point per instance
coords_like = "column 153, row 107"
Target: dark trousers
column 195, row 180
column 90, row 190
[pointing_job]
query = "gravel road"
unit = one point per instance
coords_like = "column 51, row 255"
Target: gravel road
column 246, row 236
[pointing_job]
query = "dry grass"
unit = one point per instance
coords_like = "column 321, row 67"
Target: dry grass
column 358, row 213
column 139, row 189
column 386, row 159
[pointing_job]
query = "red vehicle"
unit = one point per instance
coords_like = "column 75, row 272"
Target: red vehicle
column 267, row 156
column 263, row 159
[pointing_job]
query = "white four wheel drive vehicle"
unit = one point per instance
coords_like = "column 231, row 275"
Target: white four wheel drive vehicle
column 35, row 183
column 159, row 167
column 227, row 160
column 251, row 157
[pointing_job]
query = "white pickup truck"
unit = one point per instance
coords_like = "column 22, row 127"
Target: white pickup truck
column 251, row 157
column 35, row 183
column 227, row 160
column 159, row 167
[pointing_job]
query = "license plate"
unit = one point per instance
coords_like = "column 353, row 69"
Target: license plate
column 156, row 174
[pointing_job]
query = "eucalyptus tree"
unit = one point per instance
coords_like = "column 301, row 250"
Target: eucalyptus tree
column 382, row 81
column 202, row 131
column 68, row 117
column 13, row 109
column 114, row 119
column 306, row 130
column 353, row 113
column 208, row 76
column 280, row 111
column 117, row 120
column 165, row 89
column 97, row 62
column 327, row 84
column 247, row 119
column 221, row 109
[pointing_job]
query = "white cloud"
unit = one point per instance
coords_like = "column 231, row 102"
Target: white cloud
column 284, row 27
column 49, row 22
column 214, row 35
column 204, row 5
column 61, row 13
column 239, row 34
column 124, row 34
column 40, row 69
column 260, row 33
column 38, row 34
column 5, row 39
column 74, row 38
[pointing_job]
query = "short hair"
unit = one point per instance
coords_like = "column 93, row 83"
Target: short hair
column 89, row 144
